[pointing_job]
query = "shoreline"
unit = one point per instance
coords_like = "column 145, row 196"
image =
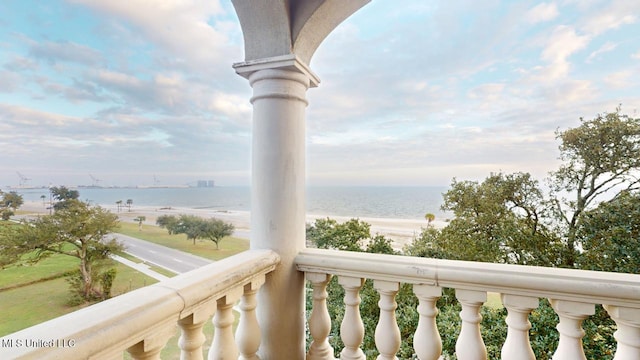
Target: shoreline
column 401, row 231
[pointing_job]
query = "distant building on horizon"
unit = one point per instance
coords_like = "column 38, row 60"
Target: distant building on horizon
column 206, row 183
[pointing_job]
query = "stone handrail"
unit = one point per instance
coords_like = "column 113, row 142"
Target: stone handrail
column 142, row 321
column 572, row 294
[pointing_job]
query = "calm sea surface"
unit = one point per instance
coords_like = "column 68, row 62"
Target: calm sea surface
column 382, row 202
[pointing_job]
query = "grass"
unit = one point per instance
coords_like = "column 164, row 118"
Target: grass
column 30, row 305
column 493, row 301
column 152, row 267
column 172, row 349
column 205, row 248
column 21, row 274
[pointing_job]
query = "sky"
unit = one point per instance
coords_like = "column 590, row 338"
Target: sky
column 412, row 92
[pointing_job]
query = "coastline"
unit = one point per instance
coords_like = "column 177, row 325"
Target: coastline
column 401, row 231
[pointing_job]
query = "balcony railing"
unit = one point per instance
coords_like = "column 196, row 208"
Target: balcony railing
column 141, row 322
column 572, row 294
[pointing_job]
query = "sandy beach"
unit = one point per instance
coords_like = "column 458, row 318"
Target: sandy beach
column 401, row 231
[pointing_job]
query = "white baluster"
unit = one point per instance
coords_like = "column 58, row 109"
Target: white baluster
column 571, row 315
column 150, row 347
column 387, row 331
column 628, row 333
column 426, row 341
column 248, row 335
column 470, row 345
column 192, row 338
column 517, row 344
column 224, row 347
column 352, row 328
column 319, row 321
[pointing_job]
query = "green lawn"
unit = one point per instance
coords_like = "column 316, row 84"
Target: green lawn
column 51, row 267
column 493, row 301
column 36, row 300
column 172, row 349
column 206, row 248
column 32, row 304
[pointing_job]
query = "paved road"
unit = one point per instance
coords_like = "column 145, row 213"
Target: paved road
column 170, row 259
column 141, row 267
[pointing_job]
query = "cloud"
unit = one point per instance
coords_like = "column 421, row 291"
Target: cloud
column 542, row 12
column 620, row 79
column 563, row 42
column 20, row 63
column 615, row 15
column 607, row 47
column 76, row 92
column 488, row 94
column 181, row 28
column 162, row 93
column 572, row 92
column 636, row 55
column 65, row 51
column 9, row 81
column 413, row 94
column 23, row 116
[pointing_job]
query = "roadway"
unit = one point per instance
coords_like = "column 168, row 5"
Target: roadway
column 173, row 260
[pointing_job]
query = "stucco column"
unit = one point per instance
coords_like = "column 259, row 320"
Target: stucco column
column 278, row 196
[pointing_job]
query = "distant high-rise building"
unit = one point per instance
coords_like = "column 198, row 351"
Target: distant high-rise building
column 206, row 183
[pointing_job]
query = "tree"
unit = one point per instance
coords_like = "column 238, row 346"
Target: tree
column 10, row 245
column 502, row 219
column 129, row 203
column 196, row 227
column 329, row 234
column 429, row 217
column 600, row 158
column 168, row 222
column 9, row 203
column 140, row 219
column 191, row 226
column 215, row 230
column 119, row 205
column 610, row 235
column 76, row 230
column 63, row 196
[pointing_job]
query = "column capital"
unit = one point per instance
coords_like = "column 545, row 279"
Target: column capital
column 284, row 62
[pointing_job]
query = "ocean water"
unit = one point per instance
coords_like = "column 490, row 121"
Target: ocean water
column 351, row 201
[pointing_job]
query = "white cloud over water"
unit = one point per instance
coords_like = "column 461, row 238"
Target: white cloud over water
column 413, row 93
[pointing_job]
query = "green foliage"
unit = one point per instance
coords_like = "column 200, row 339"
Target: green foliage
column 216, row 229
column 380, row 245
column 64, row 197
column 599, row 157
column 76, row 230
column 140, row 219
column 500, row 220
column 610, row 235
column 429, row 217
column 9, row 202
column 427, row 244
column 196, row 227
column 106, row 281
column 329, row 234
column 10, row 245
column 169, row 222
